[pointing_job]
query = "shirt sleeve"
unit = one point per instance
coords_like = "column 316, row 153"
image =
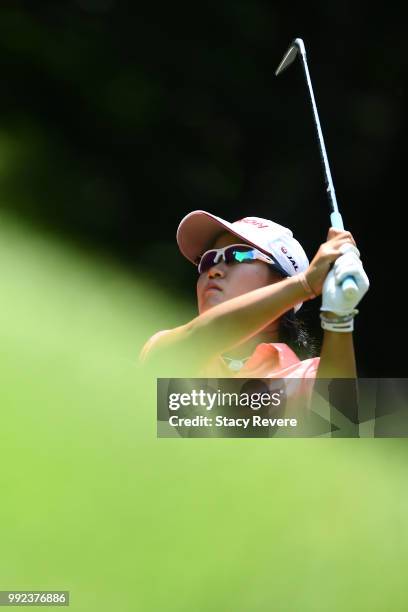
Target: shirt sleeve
column 312, row 367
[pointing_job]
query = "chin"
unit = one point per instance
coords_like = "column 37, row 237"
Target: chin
column 209, row 302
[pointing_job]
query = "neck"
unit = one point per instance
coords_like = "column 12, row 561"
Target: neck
column 245, row 349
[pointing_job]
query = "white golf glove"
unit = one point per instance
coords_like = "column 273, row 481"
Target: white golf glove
column 348, row 264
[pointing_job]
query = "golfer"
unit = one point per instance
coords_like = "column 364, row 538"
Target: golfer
column 253, row 277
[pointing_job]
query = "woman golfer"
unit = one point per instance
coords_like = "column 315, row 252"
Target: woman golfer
column 253, row 277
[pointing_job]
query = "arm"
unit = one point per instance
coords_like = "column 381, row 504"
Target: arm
column 226, row 324
column 231, row 323
column 337, row 358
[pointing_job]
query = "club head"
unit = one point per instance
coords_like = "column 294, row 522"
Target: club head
column 290, row 55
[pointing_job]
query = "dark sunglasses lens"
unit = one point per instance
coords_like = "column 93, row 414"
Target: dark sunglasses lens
column 206, row 261
column 232, row 254
column 238, row 253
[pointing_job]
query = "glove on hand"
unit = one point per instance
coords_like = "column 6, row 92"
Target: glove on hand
column 348, row 264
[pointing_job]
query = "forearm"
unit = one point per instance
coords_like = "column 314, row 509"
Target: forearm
column 337, row 358
column 236, row 320
column 230, row 322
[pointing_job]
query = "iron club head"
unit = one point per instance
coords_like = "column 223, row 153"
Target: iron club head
column 290, row 55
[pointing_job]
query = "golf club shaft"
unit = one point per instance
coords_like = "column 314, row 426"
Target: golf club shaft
column 323, row 154
column 349, row 286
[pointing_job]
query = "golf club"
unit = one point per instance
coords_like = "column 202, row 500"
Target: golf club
column 349, row 286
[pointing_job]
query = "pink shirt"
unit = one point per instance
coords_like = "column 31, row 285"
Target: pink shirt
column 274, row 360
column 269, row 360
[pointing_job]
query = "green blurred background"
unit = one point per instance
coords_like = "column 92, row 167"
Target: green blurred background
column 115, row 122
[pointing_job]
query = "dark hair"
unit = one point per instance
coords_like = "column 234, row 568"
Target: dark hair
column 293, row 332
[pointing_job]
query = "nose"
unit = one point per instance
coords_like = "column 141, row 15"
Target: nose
column 216, row 271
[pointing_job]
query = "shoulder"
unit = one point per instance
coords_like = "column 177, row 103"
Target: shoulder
column 151, row 342
column 305, row 368
column 309, row 367
column 289, row 360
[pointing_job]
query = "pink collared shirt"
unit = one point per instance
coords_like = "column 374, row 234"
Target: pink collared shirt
column 269, row 360
column 274, row 361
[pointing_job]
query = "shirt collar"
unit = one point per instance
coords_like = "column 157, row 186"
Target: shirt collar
column 278, row 355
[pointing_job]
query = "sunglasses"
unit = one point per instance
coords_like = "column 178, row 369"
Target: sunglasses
column 234, row 253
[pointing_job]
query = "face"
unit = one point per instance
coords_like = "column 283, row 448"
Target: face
column 225, row 281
